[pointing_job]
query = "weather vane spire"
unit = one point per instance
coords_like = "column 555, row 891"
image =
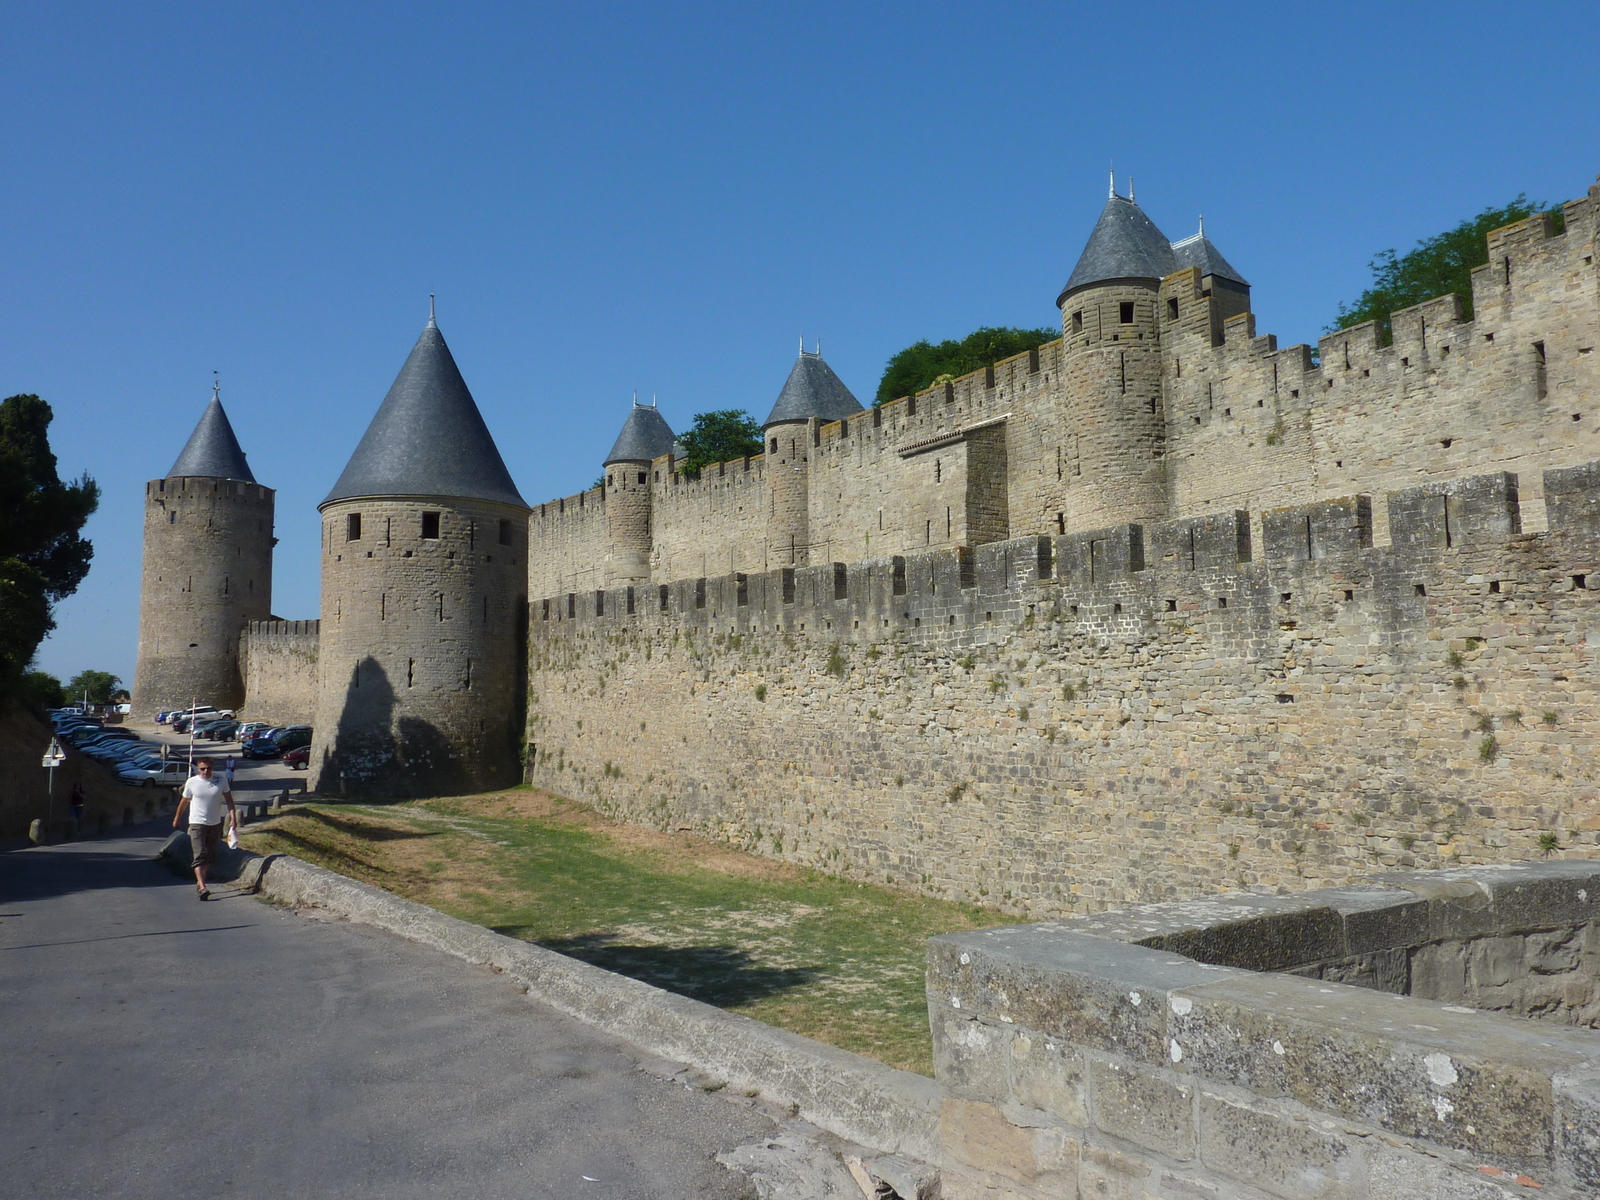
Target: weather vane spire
column 1130, row 187
column 216, row 386
column 430, row 311
column 1111, row 192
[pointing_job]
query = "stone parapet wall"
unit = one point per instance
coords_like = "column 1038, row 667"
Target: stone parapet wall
column 280, row 671
column 1076, row 1055
column 1056, row 725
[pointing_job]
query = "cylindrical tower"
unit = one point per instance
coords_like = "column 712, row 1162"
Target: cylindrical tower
column 423, row 651
column 645, row 437
column 1111, row 370
column 811, row 395
column 207, row 571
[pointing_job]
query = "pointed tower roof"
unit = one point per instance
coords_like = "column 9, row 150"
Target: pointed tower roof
column 212, row 451
column 1200, row 251
column 813, row 390
column 1125, row 244
column 645, row 436
column 428, row 437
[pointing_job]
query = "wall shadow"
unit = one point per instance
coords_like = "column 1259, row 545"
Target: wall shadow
column 720, row 975
column 372, row 754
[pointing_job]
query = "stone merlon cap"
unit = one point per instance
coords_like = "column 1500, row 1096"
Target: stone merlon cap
column 645, row 436
column 1200, row 251
column 212, row 451
column 428, row 438
column 1125, row 244
column 813, row 390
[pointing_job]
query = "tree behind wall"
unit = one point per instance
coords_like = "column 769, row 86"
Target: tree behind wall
column 42, row 557
column 1436, row 267
column 720, row 436
column 922, row 364
column 97, row 687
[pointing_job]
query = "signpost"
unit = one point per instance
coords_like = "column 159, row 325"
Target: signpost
column 53, row 758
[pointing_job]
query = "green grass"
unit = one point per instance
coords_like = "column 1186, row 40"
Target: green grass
column 822, row 956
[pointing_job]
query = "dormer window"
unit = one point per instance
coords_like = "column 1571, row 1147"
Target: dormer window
column 1127, row 312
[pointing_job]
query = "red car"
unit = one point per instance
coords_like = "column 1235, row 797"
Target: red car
column 299, row 758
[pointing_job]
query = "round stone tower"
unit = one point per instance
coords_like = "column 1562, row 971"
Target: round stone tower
column 812, row 395
column 645, row 437
column 207, row 571
column 1111, row 369
column 423, row 655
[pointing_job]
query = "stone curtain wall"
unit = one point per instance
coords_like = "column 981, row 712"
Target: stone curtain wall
column 569, row 544
column 711, row 525
column 280, row 671
column 1515, row 388
column 1084, row 1054
column 1056, row 725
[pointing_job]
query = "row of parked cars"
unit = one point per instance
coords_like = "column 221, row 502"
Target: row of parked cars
column 135, row 761
column 257, row 739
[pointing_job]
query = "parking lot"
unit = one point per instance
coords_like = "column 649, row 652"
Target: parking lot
column 252, row 777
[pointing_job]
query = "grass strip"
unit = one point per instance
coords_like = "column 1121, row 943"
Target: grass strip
column 822, row 956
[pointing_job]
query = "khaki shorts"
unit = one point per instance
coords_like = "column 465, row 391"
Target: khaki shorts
column 203, row 841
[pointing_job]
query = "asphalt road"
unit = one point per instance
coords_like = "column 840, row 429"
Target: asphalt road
column 157, row 1046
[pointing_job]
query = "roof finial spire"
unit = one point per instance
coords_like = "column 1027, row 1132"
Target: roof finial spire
column 431, row 322
column 1111, row 193
column 802, row 345
column 819, row 347
column 1202, row 224
column 1130, row 187
column 216, row 387
column 636, row 397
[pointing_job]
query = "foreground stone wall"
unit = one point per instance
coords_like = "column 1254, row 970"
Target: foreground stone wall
column 280, row 671
column 1078, row 1055
column 1054, row 725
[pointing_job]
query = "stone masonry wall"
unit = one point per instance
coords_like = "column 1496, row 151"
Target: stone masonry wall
column 1056, row 725
column 280, row 671
column 1087, row 1058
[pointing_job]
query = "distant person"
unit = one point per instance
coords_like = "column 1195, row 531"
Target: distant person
column 204, row 798
column 227, row 769
column 75, row 808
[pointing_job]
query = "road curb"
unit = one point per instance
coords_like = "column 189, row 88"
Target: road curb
column 851, row 1096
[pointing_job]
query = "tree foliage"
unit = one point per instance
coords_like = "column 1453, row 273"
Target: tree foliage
column 719, row 436
column 923, row 364
column 42, row 689
column 97, row 687
column 42, row 557
column 1436, row 266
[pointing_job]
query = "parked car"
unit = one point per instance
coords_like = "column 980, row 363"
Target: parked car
column 299, row 758
column 220, row 731
column 249, row 729
column 293, row 737
column 264, row 744
column 163, row 774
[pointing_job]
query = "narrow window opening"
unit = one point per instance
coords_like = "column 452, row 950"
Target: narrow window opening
column 1580, row 581
column 1540, row 383
column 383, row 606
column 352, row 527
column 1444, row 512
column 1122, row 371
column 1222, row 602
column 1127, row 312
column 1172, row 308
column 1494, row 587
column 505, row 533
column 1033, row 361
column 441, row 606
column 1061, row 523
column 1077, row 325
column 430, row 525
column 172, row 517
column 486, row 610
column 630, row 602
column 663, row 597
column 411, row 672
column 1349, row 594
column 938, row 470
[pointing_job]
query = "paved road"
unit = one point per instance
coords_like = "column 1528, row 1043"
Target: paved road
column 160, row 1047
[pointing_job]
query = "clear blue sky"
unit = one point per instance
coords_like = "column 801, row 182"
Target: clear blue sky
column 664, row 198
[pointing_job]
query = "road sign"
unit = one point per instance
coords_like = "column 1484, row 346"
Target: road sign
column 54, row 756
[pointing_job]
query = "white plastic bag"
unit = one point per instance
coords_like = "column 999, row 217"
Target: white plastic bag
column 233, row 838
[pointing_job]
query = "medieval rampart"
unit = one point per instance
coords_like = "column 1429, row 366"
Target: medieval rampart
column 280, row 670
column 1057, row 724
column 1205, row 415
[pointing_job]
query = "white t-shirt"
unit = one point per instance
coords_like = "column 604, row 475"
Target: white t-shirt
column 206, row 799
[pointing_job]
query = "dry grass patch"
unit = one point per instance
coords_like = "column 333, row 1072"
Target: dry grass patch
column 822, row 956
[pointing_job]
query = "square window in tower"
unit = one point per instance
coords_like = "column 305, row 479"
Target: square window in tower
column 505, row 533
column 352, row 527
column 1127, row 312
column 430, row 525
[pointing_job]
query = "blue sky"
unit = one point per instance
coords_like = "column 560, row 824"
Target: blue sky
column 664, row 198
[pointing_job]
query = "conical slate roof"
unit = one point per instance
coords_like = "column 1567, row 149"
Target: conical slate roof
column 428, row 437
column 1125, row 244
column 212, row 451
column 1200, row 251
column 813, row 390
column 645, row 436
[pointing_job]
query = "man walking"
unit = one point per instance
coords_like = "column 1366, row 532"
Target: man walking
column 203, row 799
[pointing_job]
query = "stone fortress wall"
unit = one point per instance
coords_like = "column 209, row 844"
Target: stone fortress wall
column 1056, row 724
column 280, row 670
column 1237, row 423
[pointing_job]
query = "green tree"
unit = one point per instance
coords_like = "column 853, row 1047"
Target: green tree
column 1436, row 266
column 43, row 689
column 922, row 364
column 720, row 436
column 97, row 687
column 42, row 557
